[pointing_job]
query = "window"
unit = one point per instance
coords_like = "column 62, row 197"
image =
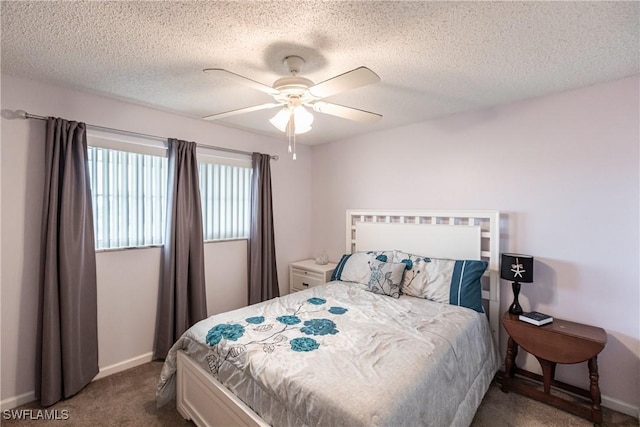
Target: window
column 129, row 192
column 128, row 177
column 225, row 192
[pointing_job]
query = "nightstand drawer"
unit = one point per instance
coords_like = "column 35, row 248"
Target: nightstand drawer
column 307, row 274
column 302, row 279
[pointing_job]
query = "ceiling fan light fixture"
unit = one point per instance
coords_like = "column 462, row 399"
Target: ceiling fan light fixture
column 280, row 120
column 293, row 92
column 302, row 120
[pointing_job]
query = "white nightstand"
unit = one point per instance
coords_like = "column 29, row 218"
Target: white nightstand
column 305, row 274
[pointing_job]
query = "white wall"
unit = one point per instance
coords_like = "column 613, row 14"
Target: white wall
column 128, row 296
column 127, row 280
column 564, row 172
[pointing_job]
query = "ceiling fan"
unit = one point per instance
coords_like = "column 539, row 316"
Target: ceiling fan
column 293, row 93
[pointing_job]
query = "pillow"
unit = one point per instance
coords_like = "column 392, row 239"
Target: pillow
column 355, row 267
column 385, row 278
column 449, row 281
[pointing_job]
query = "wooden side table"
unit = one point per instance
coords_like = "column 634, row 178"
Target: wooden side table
column 562, row 342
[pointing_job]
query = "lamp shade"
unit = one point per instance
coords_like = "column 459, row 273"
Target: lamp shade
column 517, row 268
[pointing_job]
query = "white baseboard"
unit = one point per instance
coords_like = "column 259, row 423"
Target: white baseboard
column 620, row 406
column 14, row 402
column 124, row 365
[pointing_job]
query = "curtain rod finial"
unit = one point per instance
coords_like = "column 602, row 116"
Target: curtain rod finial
column 276, row 158
column 22, row 114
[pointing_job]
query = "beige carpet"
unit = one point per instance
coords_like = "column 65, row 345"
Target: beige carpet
column 127, row 399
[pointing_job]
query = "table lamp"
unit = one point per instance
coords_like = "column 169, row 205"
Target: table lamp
column 519, row 269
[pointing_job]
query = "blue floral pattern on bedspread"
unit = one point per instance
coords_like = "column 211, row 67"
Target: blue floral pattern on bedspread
column 229, row 341
column 255, row 320
column 337, row 310
column 231, row 332
column 319, row 327
column 304, row 344
column 288, row 320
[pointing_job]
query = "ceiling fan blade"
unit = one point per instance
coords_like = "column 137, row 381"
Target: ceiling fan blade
column 350, row 113
column 241, row 79
column 353, row 79
column 242, row 111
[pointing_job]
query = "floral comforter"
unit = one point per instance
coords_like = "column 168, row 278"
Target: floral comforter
column 339, row 355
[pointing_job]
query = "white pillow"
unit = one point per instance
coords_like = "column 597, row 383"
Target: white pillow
column 356, row 267
column 448, row 281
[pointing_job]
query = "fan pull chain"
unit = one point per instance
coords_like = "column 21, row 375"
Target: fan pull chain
column 291, row 132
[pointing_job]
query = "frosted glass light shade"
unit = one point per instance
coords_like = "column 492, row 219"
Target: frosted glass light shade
column 302, row 120
column 280, row 120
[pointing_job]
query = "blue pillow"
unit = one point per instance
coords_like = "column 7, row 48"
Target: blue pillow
column 466, row 286
column 337, row 272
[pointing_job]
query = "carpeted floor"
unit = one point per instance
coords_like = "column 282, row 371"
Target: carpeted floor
column 127, row 399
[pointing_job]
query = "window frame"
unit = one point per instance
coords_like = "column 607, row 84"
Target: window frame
column 208, row 155
column 134, row 145
column 159, row 147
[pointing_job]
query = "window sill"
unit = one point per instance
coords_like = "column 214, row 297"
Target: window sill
column 129, row 248
column 235, row 239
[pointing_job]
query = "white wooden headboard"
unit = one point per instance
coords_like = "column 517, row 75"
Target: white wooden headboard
column 439, row 234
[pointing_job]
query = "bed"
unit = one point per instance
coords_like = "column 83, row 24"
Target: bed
column 348, row 353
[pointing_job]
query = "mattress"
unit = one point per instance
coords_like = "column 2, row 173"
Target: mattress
column 340, row 355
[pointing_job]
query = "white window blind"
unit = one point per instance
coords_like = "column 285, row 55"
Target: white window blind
column 225, row 192
column 129, row 192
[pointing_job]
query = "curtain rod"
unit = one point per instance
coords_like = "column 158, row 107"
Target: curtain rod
column 25, row 115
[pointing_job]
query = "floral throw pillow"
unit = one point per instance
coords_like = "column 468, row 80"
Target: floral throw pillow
column 385, row 278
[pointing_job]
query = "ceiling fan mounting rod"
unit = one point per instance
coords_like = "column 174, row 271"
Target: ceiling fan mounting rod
column 293, row 63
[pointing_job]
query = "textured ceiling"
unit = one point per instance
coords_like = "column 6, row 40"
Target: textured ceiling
column 433, row 58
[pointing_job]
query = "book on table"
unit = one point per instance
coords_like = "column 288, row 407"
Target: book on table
column 536, row 318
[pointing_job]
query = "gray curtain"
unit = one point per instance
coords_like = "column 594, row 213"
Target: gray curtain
column 67, row 356
column 182, row 300
column 263, row 276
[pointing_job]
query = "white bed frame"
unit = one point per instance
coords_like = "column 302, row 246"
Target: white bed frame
column 443, row 234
